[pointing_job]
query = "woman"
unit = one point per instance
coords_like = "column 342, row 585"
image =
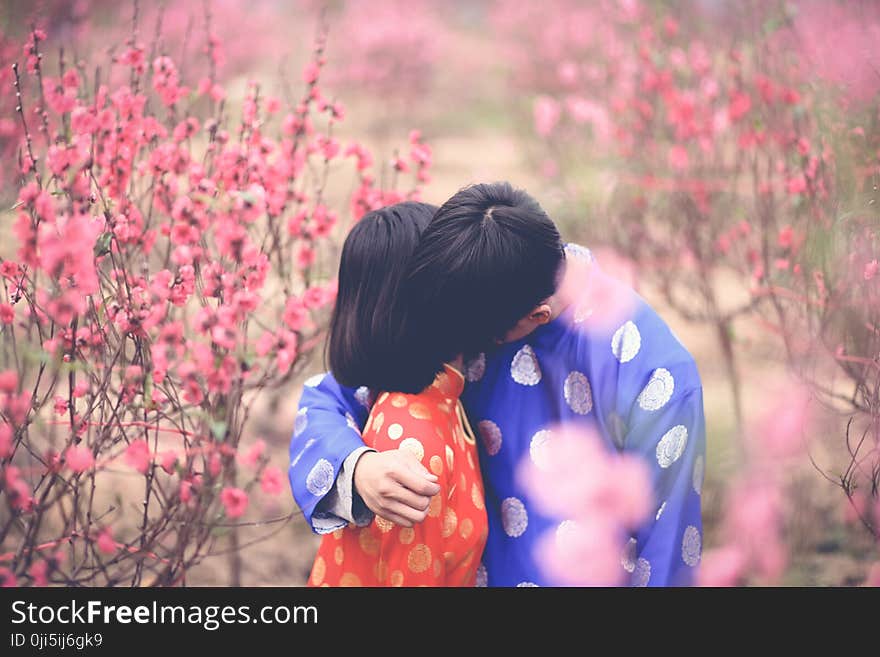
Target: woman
column 374, row 341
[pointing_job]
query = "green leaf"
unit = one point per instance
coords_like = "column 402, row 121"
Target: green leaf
column 248, row 197
column 102, row 244
column 148, row 393
column 218, row 429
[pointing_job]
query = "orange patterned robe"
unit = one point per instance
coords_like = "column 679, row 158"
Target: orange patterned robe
column 446, row 548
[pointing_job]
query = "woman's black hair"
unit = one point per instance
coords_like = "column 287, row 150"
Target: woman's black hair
column 371, row 341
column 488, row 257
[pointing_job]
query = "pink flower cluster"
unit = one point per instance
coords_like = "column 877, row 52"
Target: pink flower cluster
column 170, row 265
column 376, row 55
column 599, row 497
column 754, row 547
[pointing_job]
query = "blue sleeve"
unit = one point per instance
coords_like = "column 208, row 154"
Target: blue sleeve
column 327, row 429
column 671, row 437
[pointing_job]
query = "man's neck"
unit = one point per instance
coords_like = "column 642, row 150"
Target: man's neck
column 562, row 299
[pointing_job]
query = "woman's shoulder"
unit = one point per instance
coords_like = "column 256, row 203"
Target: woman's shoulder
column 421, row 423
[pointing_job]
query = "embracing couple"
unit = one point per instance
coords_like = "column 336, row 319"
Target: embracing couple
column 467, row 312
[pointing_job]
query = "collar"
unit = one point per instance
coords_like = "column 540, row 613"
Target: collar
column 449, row 382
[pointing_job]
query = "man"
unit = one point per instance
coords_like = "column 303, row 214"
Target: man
column 605, row 361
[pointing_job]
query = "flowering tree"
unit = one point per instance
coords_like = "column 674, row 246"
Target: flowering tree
column 388, row 48
column 171, row 263
column 739, row 154
column 713, row 147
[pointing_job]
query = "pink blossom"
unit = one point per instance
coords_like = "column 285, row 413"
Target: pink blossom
column 204, row 86
column 361, row 154
column 167, row 460
column 53, row 460
column 138, row 456
column 871, row 270
column 399, row 164
column 317, row 297
column 779, row 431
column 600, row 301
column 66, row 251
column 329, row 147
column 254, row 452
column 273, row 104
column 235, row 500
column 265, row 343
column 61, row 99
column 79, row 458
column 786, row 237
column 722, row 567
column 873, row 578
column 286, row 351
column 739, row 106
column 16, row 488
column 81, row 389
column 215, row 464
column 60, row 405
column 39, row 571
column 581, row 553
column 838, row 43
column 600, row 494
column 803, row 146
column 678, row 158
column 567, row 72
column 186, row 129
column 5, row 440
column 8, row 381
column 106, row 543
column 166, row 81
column 311, row 71
column 796, row 185
column 272, row 481
column 18, row 406
column 546, row 114
column 632, row 503
column 7, row 578
column 9, row 269
column 549, row 168
column 134, row 57
column 583, row 110
column 296, row 314
column 753, row 520
column 420, row 153
column 185, row 492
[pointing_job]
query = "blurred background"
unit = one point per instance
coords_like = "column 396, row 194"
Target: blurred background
column 722, row 156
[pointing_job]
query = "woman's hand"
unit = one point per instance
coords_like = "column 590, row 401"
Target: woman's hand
column 395, row 485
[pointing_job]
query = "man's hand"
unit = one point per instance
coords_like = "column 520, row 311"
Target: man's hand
column 395, row 486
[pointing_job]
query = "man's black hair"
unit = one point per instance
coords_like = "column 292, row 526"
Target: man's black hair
column 488, row 257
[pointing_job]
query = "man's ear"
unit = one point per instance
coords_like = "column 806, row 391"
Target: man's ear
column 541, row 314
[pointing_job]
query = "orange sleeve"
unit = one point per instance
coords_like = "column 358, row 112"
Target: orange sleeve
column 414, row 556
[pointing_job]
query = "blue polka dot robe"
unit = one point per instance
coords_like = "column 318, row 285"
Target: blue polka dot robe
column 634, row 382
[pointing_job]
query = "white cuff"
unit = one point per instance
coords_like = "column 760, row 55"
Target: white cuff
column 342, row 504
